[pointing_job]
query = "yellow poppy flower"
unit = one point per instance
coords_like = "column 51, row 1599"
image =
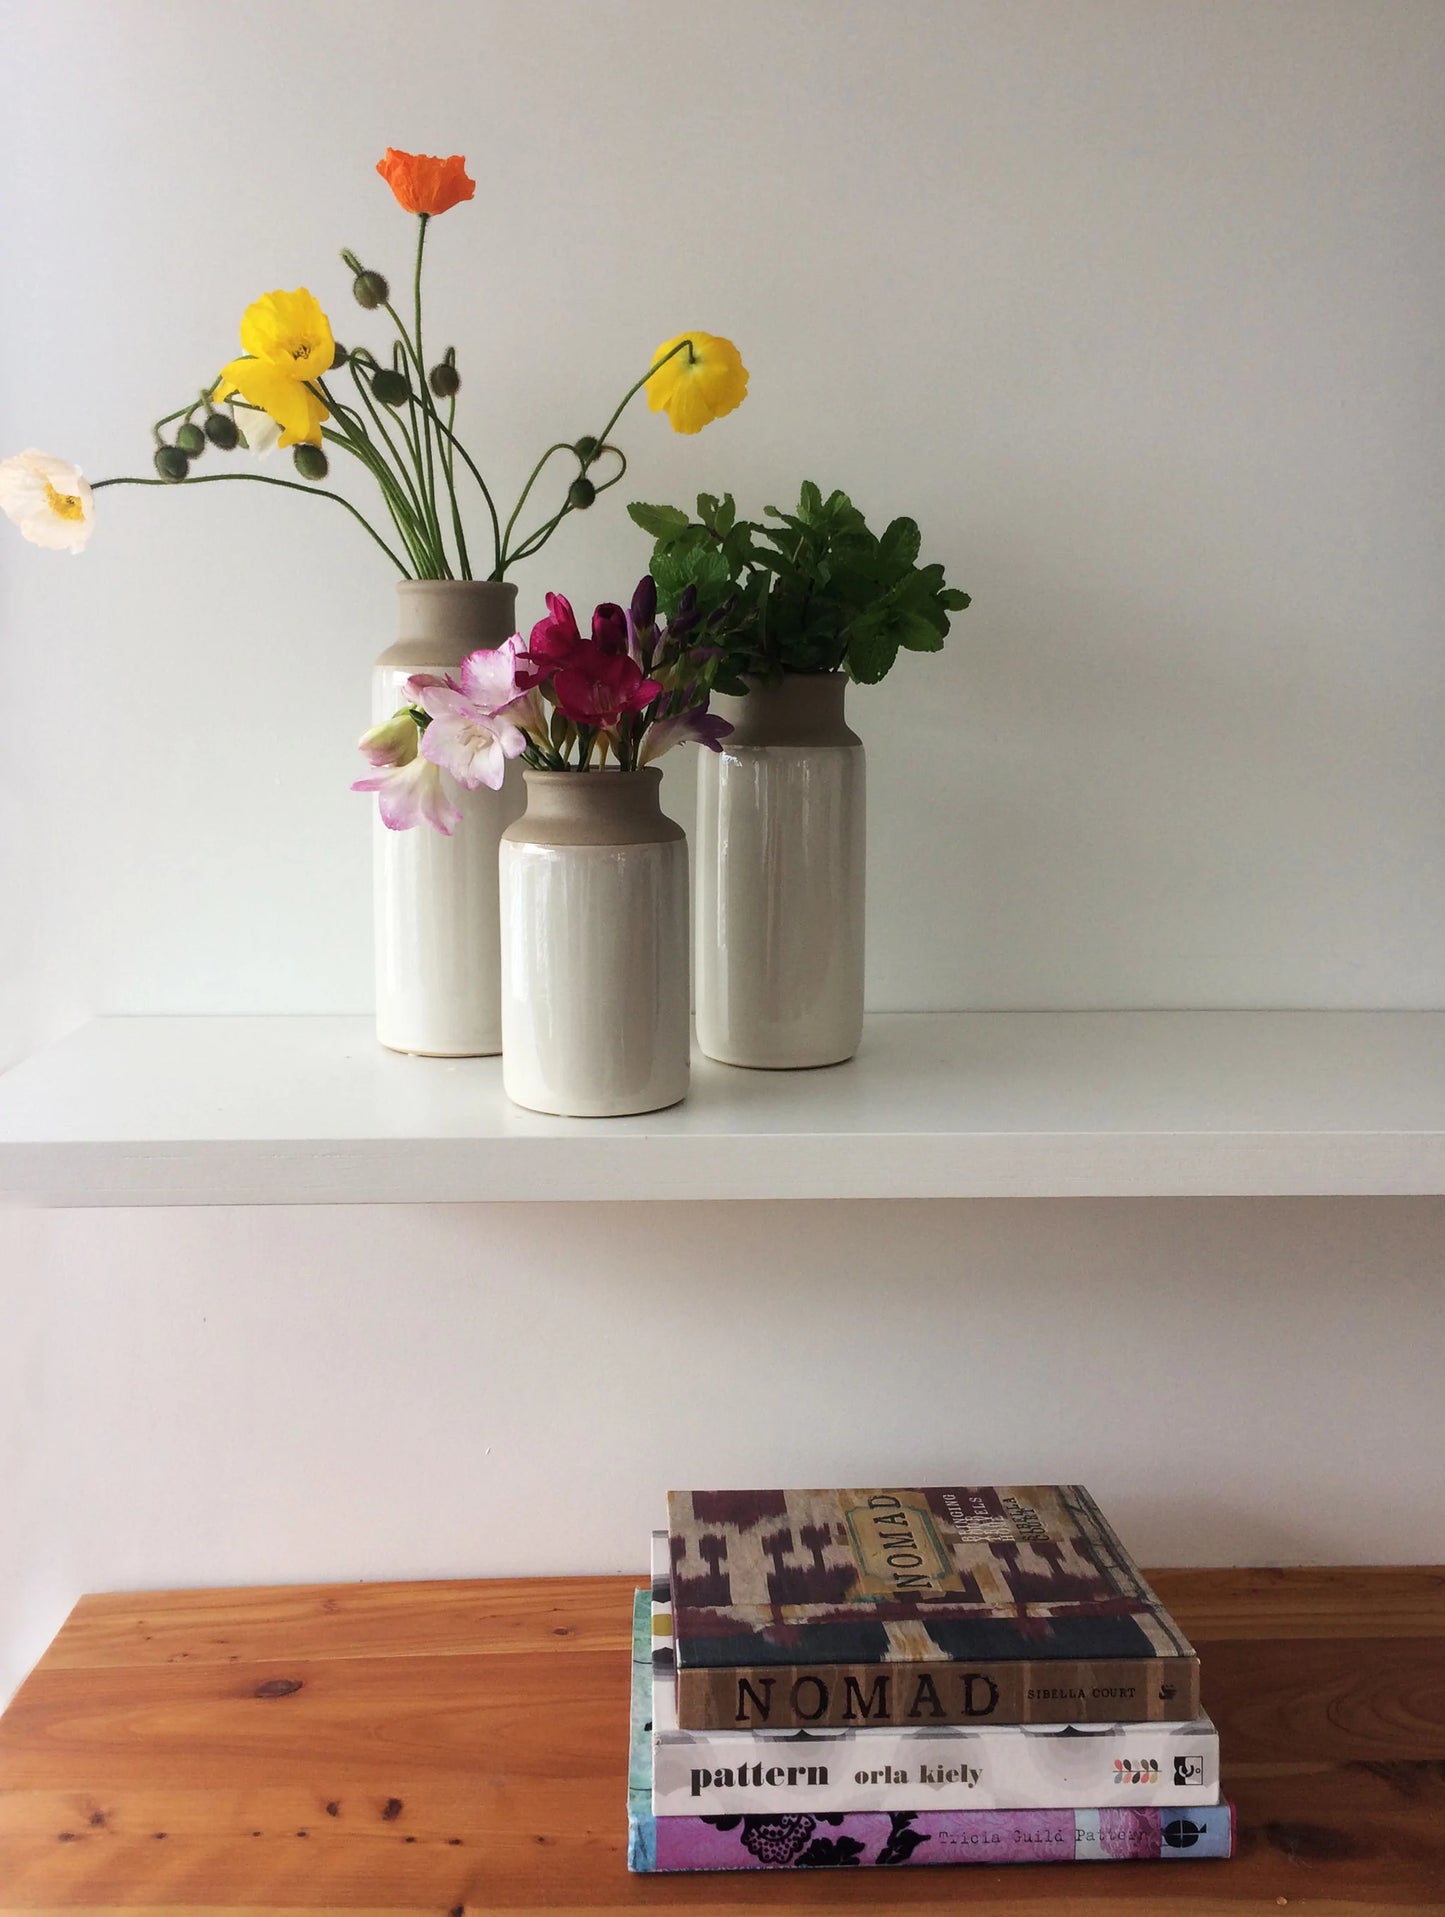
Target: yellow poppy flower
column 288, row 341
column 699, row 385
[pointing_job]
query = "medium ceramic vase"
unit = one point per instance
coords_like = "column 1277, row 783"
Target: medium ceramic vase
column 594, row 947
column 438, row 949
column 780, row 863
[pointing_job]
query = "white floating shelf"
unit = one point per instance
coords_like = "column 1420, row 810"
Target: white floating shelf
column 281, row 1111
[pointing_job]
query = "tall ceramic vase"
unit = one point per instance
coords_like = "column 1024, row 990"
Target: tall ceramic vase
column 780, row 876
column 594, row 947
column 438, row 941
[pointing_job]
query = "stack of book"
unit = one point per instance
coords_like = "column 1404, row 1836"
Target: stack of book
column 974, row 1675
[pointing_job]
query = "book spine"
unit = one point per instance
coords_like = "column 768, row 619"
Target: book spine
column 703, row 1774
column 872, row 1838
column 919, row 1695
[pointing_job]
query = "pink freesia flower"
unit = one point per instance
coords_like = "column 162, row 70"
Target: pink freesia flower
column 698, row 727
column 488, row 678
column 408, row 794
column 600, row 687
column 472, row 744
column 417, row 684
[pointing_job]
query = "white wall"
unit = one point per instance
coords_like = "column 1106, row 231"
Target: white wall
column 1136, row 305
column 262, row 1396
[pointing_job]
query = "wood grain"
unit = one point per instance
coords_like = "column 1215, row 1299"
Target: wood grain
column 399, row 1749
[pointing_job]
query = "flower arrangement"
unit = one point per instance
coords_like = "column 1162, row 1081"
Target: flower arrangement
column 631, row 691
column 816, row 592
column 396, row 419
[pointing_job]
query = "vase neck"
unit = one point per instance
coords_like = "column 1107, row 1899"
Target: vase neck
column 800, row 709
column 439, row 621
column 594, row 808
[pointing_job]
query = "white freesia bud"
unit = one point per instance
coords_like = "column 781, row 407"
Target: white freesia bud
column 393, row 742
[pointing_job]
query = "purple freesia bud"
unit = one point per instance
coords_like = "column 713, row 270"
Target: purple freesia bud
column 686, row 616
column 644, row 604
column 697, row 727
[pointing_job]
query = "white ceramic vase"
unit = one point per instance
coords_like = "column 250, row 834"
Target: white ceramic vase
column 780, row 879
column 594, row 947
column 438, row 942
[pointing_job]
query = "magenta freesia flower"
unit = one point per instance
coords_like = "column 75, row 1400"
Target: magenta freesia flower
column 598, row 689
column 554, row 643
column 697, row 727
column 410, row 794
column 609, row 630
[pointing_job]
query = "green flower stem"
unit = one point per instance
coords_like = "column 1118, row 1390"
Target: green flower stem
column 423, row 220
column 414, row 513
column 425, row 396
column 409, row 466
column 355, row 440
column 535, row 541
column 448, row 453
column 414, row 431
column 505, row 556
column 401, row 515
column 263, row 479
column 471, row 466
column 683, row 345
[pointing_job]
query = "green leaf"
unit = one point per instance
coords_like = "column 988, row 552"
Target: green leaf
column 810, row 501
column 952, row 600
column 918, row 633
column 661, row 522
column 679, row 566
column 899, row 545
column 871, row 653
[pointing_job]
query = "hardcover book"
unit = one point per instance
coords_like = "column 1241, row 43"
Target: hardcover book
column 801, row 1841
column 993, row 1767
column 1002, row 1604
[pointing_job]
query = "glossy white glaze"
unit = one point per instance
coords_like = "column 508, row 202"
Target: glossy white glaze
column 780, row 855
column 437, row 922
column 594, row 962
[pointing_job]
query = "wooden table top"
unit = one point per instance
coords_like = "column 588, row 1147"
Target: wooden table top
column 447, row 1749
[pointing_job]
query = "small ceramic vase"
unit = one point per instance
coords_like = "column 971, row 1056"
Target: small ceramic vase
column 594, row 947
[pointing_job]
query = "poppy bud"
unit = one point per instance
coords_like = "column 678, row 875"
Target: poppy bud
column 390, row 387
column 338, row 357
column 445, row 380
column 221, row 431
column 310, row 461
column 587, row 448
column 171, row 463
column 191, row 439
column 370, row 290
column 581, row 493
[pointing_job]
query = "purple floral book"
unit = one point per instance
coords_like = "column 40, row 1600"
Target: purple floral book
column 800, row 1842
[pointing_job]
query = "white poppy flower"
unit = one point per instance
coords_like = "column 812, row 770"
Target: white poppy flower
column 260, row 431
column 47, row 499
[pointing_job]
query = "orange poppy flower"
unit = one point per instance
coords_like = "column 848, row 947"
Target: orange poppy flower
column 423, row 184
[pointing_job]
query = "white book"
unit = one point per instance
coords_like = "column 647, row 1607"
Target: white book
column 998, row 1767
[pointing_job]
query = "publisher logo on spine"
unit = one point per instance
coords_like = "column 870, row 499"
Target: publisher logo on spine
column 1146, row 1771
column 1189, row 1770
